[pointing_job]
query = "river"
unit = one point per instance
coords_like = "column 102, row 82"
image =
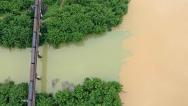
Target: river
column 95, row 57
column 156, row 72
column 152, row 63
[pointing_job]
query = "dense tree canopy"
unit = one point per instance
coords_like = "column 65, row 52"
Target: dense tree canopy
column 93, row 92
column 73, row 20
column 66, row 21
column 14, row 6
column 16, row 31
column 15, row 23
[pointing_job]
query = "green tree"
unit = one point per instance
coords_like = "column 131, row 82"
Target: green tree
column 18, row 95
column 44, row 99
column 92, row 92
column 16, row 31
column 66, row 21
column 73, row 20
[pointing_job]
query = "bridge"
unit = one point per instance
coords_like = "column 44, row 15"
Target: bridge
column 34, row 52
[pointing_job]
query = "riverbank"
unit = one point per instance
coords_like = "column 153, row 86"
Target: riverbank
column 156, row 72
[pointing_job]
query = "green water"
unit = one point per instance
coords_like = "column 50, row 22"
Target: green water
column 96, row 57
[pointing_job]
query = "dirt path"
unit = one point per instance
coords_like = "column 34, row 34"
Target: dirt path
column 157, row 72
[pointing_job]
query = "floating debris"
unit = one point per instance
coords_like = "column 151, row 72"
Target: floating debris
column 38, row 77
column 64, row 85
column 68, row 86
column 71, row 87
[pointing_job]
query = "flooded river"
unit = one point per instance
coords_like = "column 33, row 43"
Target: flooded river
column 156, row 73
column 96, row 57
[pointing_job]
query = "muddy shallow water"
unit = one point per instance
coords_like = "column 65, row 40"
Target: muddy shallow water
column 156, row 73
column 96, row 57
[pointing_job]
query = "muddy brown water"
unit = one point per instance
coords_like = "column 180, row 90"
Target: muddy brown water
column 156, row 73
column 154, row 70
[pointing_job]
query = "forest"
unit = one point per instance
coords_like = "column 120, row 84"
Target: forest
column 92, row 92
column 64, row 21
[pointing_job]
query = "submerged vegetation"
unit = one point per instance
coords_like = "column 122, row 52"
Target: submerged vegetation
column 93, row 92
column 65, row 21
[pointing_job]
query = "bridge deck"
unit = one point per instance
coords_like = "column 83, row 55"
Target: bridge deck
column 34, row 53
